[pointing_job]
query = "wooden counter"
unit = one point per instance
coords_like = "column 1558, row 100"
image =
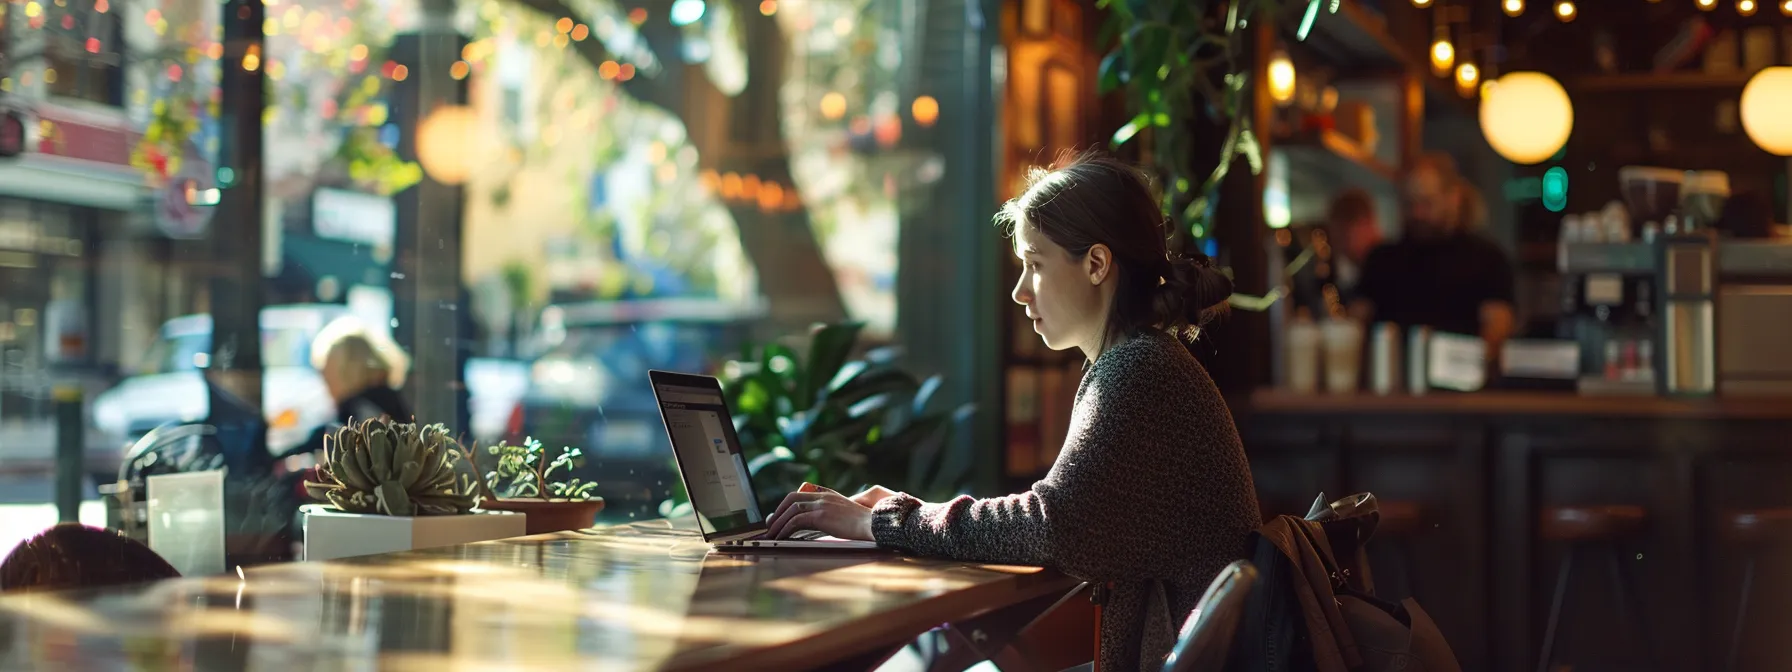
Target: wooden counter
column 1482, row 468
column 1522, row 404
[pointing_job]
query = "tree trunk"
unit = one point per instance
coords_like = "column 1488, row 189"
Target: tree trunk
column 793, row 273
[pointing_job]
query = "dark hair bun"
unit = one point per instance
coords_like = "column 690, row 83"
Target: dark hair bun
column 1193, row 292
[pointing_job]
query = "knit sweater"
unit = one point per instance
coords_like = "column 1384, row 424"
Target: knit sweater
column 1151, row 492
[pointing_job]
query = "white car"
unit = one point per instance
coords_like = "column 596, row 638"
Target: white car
column 171, row 387
column 294, row 398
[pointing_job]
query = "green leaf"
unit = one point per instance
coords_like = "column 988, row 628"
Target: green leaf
column 1113, row 72
column 1253, row 153
column 1131, row 129
column 828, row 349
column 879, row 382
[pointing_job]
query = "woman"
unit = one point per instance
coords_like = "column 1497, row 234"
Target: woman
column 1151, row 492
column 362, row 372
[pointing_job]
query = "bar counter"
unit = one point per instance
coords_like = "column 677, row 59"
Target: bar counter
column 1474, row 476
column 641, row 596
column 1522, row 404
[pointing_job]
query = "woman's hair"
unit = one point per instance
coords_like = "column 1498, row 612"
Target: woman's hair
column 349, row 352
column 1090, row 199
column 71, row 555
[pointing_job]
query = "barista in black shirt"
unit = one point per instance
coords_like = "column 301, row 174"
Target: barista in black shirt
column 1442, row 273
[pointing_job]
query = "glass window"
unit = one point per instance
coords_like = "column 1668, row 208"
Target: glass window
column 533, row 210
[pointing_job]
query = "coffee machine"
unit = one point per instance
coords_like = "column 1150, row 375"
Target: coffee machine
column 1641, row 285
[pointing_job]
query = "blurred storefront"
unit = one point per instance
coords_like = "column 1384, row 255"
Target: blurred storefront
column 539, row 201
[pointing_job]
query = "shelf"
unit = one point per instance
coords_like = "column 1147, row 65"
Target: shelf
column 1658, row 81
column 1333, row 158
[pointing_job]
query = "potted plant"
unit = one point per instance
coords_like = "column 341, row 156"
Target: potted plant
column 393, row 486
column 523, row 481
column 845, row 423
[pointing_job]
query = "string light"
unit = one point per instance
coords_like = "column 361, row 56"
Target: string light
column 833, row 105
column 1513, row 7
column 1443, row 54
column 1467, row 76
column 1786, row 7
column 927, row 110
column 1745, row 7
column 1706, row 5
column 1566, row 11
column 1421, row 4
column 1281, row 78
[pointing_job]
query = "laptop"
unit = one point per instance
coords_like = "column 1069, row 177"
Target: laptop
column 714, row 471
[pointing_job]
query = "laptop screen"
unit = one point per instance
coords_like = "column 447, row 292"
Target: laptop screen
column 715, row 472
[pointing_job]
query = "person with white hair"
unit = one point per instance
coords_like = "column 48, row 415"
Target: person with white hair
column 363, row 370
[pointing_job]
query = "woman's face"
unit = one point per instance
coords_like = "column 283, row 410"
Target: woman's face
column 1062, row 293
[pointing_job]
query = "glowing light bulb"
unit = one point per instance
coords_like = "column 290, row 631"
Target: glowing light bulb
column 1467, row 76
column 1421, row 4
column 1745, row 7
column 1443, row 55
column 1706, row 5
column 1281, row 78
column 1566, row 11
column 1513, row 7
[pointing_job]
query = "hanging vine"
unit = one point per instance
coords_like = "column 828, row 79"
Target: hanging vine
column 1174, row 61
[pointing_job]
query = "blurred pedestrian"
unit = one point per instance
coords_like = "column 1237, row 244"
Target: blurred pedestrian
column 363, row 371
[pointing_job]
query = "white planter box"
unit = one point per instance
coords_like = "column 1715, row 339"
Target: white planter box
column 331, row 534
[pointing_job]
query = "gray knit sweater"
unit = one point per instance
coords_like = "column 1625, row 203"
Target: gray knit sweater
column 1151, row 492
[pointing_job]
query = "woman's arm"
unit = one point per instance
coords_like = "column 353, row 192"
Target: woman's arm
column 1114, row 500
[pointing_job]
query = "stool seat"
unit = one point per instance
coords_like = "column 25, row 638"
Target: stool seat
column 1592, row 523
column 1758, row 526
column 1399, row 517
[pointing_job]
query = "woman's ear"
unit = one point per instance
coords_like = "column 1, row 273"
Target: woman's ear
column 1098, row 264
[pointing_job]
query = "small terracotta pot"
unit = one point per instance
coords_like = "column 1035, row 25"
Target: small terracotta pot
column 550, row 515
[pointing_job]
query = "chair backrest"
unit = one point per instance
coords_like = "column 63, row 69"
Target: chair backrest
column 71, row 555
column 1206, row 637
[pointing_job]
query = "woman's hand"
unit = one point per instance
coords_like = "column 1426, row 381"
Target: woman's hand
column 823, row 510
column 872, row 495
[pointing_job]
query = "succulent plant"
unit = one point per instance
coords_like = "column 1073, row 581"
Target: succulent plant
column 525, row 472
column 398, row 469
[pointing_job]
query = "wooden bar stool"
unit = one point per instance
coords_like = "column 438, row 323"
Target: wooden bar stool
column 1599, row 528
column 1755, row 531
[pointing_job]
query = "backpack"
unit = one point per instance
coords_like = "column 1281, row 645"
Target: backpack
column 1273, row 637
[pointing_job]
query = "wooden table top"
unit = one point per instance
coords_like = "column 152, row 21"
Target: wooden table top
column 642, row 596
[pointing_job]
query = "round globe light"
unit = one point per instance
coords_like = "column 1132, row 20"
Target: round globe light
column 1767, row 110
column 1526, row 116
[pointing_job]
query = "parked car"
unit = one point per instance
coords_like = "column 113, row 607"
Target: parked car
column 588, row 385
column 171, row 386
